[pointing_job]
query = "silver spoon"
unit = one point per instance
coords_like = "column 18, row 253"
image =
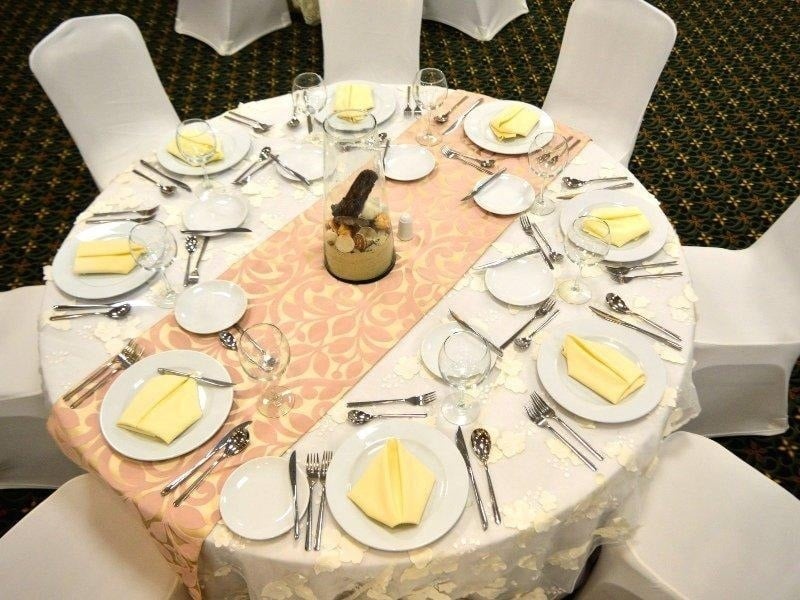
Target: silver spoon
column 482, row 446
column 294, row 121
column 617, row 304
column 191, row 245
column 624, row 270
column 523, row 343
column 236, row 444
column 359, row 417
column 446, row 115
column 552, row 254
column 115, row 312
column 167, row 190
column 573, row 184
column 227, row 339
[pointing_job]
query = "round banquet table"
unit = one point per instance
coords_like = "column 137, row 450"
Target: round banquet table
column 554, row 509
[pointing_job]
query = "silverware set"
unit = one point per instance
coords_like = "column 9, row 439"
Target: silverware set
column 316, row 472
column 115, row 311
column 142, row 215
column 359, row 417
column 482, row 165
column 129, row 355
column 442, row 118
column 612, row 319
column 192, row 275
column 461, row 444
column 618, row 186
column 412, row 109
column 166, row 190
column 543, row 309
column 527, row 227
column 615, row 269
column 628, row 278
column 257, row 126
column 178, row 182
column 617, row 304
column 254, row 167
column 463, row 116
column 572, row 183
column 486, row 341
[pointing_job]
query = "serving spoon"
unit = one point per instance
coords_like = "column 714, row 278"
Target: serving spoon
column 482, row 446
column 359, row 417
column 618, row 305
column 115, row 312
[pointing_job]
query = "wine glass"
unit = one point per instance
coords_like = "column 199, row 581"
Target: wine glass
column 197, row 144
column 430, row 91
column 547, row 157
column 586, row 242
column 158, row 250
column 264, row 354
column 310, row 96
column 464, row 362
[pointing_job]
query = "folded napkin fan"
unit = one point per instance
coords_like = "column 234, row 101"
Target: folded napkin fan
column 602, row 369
column 626, row 223
column 353, row 97
column 195, row 148
column 395, row 487
column 514, row 121
column 105, row 256
column 163, row 408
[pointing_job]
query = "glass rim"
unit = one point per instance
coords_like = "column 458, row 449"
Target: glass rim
column 474, row 336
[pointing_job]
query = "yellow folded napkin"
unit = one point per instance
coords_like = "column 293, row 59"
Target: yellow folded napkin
column 105, row 256
column 163, row 408
column 199, row 146
column 601, row 368
column 514, row 121
column 353, row 97
column 626, row 223
column 395, row 487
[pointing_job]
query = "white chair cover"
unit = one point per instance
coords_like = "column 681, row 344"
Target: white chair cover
column 748, row 331
column 99, row 76
column 479, row 19
column 612, row 55
column 373, row 40
column 230, row 25
column 29, row 458
column 84, row 542
column 711, row 528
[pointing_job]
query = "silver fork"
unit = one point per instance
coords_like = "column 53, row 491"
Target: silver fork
column 539, row 420
column 408, row 111
column 130, row 346
column 448, row 153
column 548, row 413
column 526, row 227
column 488, row 162
column 544, row 308
column 123, row 361
column 554, row 256
column 115, row 220
column 629, row 278
column 418, row 400
column 194, row 275
column 322, row 473
column 144, row 212
column 312, row 472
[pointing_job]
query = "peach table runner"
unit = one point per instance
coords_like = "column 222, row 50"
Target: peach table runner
column 336, row 331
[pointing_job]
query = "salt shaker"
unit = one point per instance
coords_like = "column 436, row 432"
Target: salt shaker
column 405, row 228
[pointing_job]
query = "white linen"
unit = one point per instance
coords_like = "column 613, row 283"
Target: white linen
column 477, row 18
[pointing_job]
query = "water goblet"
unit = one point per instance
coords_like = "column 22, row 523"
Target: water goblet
column 586, row 243
column 430, row 92
column 264, row 354
column 197, row 144
column 547, row 157
column 464, row 362
column 309, row 95
column 155, row 249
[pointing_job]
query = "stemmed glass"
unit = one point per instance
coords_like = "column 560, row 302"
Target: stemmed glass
column 547, row 157
column 464, row 362
column 310, row 96
column 158, row 250
column 586, row 242
column 197, row 144
column 430, row 91
column 264, row 354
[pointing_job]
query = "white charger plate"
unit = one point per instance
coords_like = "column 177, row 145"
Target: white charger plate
column 638, row 249
column 476, row 127
column 521, row 282
column 432, row 343
column 434, row 450
column 225, row 208
column 215, row 403
column 306, row 159
column 256, row 500
column 382, row 97
column 580, row 400
column 99, row 286
column 408, row 162
column 235, row 147
column 506, row 195
column 210, row 306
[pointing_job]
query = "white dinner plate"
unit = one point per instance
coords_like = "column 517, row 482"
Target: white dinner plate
column 433, row 449
column 506, row 195
column 580, row 400
column 224, row 208
column 210, row 306
column 638, row 249
column 306, row 159
column 215, row 403
column 382, row 97
column 235, row 147
column 522, row 282
column 99, row 286
column 408, row 162
column 256, row 500
column 476, row 127
column 432, row 343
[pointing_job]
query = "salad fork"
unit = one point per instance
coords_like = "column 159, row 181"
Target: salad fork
column 312, row 472
column 123, row 360
column 322, row 473
column 418, row 400
column 548, row 413
column 539, row 420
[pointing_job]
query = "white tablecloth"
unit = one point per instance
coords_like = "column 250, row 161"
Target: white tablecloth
column 555, row 511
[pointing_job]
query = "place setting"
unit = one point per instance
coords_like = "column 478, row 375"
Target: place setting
column 196, row 149
column 506, row 126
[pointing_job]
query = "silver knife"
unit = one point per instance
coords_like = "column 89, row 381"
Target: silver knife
column 177, row 182
column 247, row 175
column 216, row 448
column 484, row 184
column 225, row 230
column 463, row 115
column 197, row 378
column 293, row 482
column 619, row 186
column 463, row 323
column 289, row 169
column 502, row 261
column 611, row 318
column 461, row 444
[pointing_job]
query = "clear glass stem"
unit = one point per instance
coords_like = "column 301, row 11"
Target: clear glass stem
column 206, row 180
column 429, row 123
column 163, row 273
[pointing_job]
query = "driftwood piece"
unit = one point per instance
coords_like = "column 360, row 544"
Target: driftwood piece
column 353, row 202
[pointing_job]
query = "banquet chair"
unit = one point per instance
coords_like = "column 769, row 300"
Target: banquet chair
column 373, row 40
column 748, row 331
column 98, row 74
column 29, row 458
column 83, row 542
column 230, row 25
column 612, row 55
column 710, row 527
column 477, row 18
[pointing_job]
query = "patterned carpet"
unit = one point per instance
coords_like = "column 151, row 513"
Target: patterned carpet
column 719, row 145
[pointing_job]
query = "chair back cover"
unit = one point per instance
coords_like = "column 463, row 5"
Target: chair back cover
column 479, row 19
column 98, row 74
